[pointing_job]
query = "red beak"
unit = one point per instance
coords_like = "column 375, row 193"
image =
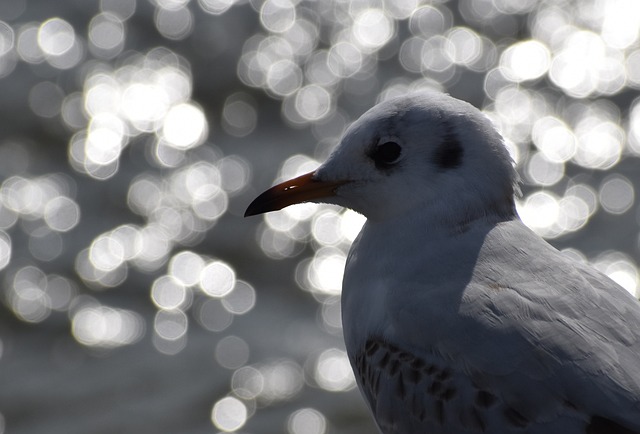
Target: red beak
column 297, row 190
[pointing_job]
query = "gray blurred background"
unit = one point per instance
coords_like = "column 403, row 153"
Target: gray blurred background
column 133, row 134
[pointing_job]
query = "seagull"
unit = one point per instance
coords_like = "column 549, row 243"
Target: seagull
column 457, row 318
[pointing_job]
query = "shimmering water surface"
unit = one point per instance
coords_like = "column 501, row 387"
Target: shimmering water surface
column 133, row 133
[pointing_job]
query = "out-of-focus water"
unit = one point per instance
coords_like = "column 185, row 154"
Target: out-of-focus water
column 133, row 133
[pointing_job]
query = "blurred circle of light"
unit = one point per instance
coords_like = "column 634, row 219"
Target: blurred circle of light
column 241, row 300
column 401, row 9
column 620, row 268
column 56, row 37
column 324, row 271
column 27, row 45
column 344, row 59
column 411, row 53
column 229, row 414
column 5, row 249
column 129, row 238
column 170, row 325
column 247, row 382
column 616, row 194
column 174, row 23
column 333, row 371
column 216, row 7
column 232, row 352
column 326, row 227
column 234, row 173
column 331, row 315
column 106, row 35
column 239, row 115
column 463, row 46
column 632, row 64
column 106, row 253
column 586, row 65
column 45, row 99
column 284, row 77
column 276, row 244
column 372, row 29
column 106, row 327
column 217, row 279
column 168, row 293
column 44, row 244
column 277, row 16
column 574, row 213
column 7, row 38
column 542, row 171
column 303, row 36
column 541, row 211
column 427, row 21
column 62, row 214
column 212, row 315
column 144, row 104
column 102, row 95
column 186, row 267
column 620, row 22
column 526, row 60
column 313, row 103
column 61, row 291
column 144, row 195
column 435, row 56
column 599, row 143
column 554, row 139
column 586, row 194
column 634, row 127
column 307, row 421
column 27, row 296
column 283, row 379
column 184, row 126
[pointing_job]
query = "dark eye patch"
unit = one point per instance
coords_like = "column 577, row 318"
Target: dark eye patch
column 386, row 154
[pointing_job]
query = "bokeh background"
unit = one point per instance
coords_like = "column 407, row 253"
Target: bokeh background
column 133, row 133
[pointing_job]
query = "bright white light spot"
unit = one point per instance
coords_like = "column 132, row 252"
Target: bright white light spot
column 186, row 267
column 5, row 249
column 554, row 139
column 184, row 126
column 540, row 212
column 229, row 414
column 333, row 371
column 217, row 279
column 526, row 60
column 620, row 268
column 56, row 37
column 372, row 28
column 324, row 272
column 100, row 326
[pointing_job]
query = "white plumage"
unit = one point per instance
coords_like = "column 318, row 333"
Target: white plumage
column 457, row 318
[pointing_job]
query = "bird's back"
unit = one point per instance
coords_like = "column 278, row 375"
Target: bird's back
column 493, row 331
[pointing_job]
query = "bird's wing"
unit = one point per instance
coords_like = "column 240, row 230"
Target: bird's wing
column 533, row 341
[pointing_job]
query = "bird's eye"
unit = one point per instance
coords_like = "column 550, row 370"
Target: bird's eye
column 385, row 154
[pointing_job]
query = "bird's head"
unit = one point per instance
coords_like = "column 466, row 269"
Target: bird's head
column 424, row 150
